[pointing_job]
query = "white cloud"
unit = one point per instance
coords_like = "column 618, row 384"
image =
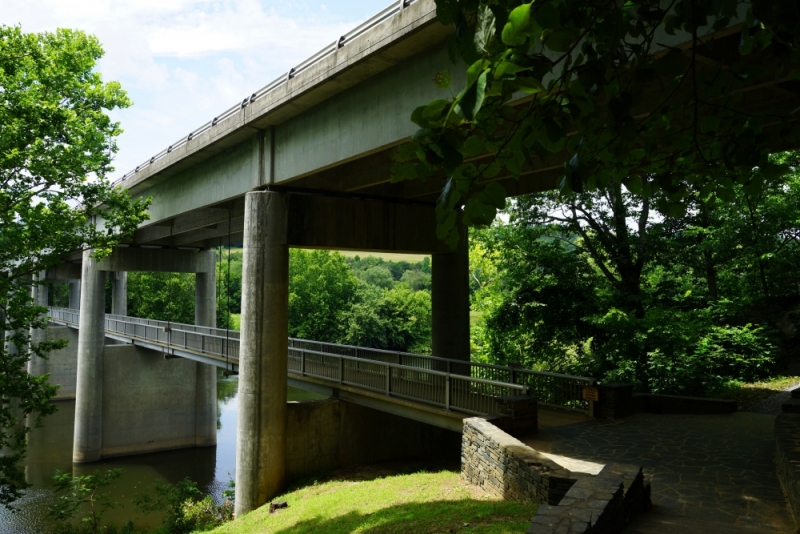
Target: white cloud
column 183, row 61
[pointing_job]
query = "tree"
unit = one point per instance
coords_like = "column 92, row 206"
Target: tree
column 596, row 283
column 392, row 319
column 377, row 276
column 57, row 145
column 607, row 99
column 81, row 497
column 321, row 288
column 162, row 296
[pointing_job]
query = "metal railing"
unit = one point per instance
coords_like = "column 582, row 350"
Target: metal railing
column 551, row 389
column 452, row 384
column 386, row 13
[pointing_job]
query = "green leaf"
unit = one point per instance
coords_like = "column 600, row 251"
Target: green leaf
column 476, row 213
column 633, row 184
column 436, row 110
column 470, row 102
column 418, row 117
column 484, row 30
column 518, row 26
column 507, row 69
column 494, row 195
column 529, row 85
column 473, row 146
column 547, row 16
column 708, row 124
column 560, row 40
column 404, row 171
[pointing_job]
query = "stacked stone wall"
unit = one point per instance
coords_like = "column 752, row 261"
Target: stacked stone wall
column 568, row 502
column 504, row 466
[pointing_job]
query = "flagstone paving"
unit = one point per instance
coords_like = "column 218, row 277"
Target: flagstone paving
column 709, row 473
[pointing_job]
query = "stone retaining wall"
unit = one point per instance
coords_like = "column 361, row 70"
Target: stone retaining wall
column 787, row 459
column 568, row 502
column 504, row 466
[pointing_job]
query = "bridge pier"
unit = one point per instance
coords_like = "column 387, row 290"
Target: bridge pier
column 38, row 366
column 450, row 301
column 88, row 437
column 119, row 292
column 205, row 314
column 261, row 439
column 75, row 294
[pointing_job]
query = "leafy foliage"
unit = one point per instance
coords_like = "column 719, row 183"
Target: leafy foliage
column 56, row 148
column 607, row 90
column 162, row 296
column 83, row 499
column 321, row 288
column 595, row 283
column 186, row 509
column 394, row 319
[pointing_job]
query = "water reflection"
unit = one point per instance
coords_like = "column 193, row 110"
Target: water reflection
column 50, row 448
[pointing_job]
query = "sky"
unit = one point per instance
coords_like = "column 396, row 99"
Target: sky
column 184, row 61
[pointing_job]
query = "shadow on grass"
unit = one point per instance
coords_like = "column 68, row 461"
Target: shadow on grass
column 465, row 515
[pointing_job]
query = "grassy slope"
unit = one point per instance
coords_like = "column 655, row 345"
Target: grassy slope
column 406, row 504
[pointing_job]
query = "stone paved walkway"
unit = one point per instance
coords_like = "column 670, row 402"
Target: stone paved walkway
column 710, row 473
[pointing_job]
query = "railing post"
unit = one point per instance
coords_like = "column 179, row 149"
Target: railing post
column 302, row 363
column 388, row 379
column 447, row 390
column 341, row 370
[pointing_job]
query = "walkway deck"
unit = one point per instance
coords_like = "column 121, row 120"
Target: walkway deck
column 710, row 473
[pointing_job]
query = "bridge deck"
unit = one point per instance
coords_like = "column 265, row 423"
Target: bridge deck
column 422, row 387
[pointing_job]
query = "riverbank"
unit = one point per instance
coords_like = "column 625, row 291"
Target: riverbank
column 387, row 499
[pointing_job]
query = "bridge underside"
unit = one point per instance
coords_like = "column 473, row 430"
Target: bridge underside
column 309, row 166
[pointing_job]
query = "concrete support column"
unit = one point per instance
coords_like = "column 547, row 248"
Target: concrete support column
column 74, row 294
column 119, row 293
column 205, row 314
column 88, row 437
column 450, row 301
column 38, row 366
column 263, row 346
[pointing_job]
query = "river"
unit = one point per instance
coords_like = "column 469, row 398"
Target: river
column 50, row 448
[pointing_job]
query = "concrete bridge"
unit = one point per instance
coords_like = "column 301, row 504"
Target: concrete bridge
column 303, row 162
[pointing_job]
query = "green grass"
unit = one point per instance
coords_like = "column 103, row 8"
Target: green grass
column 746, row 394
column 403, row 504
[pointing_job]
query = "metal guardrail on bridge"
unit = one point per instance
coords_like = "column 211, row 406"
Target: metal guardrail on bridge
column 469, row 387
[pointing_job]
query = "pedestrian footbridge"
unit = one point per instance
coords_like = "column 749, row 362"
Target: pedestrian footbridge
column 433, row 390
